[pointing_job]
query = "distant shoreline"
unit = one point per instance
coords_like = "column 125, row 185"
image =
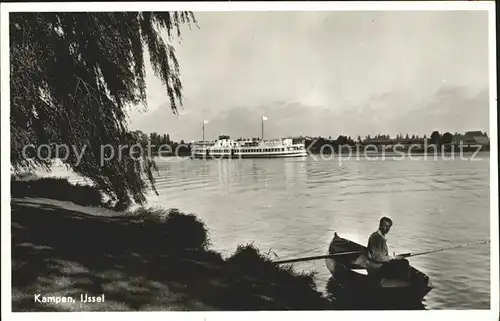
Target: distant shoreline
column 418, row 152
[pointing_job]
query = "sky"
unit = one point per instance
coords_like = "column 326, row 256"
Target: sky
column 326, row 74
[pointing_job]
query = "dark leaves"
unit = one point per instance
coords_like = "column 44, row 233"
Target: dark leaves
column 72, row 77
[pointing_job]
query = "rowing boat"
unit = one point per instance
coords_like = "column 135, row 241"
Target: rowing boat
column 354, row 282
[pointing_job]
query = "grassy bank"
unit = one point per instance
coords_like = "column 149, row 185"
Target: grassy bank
column 29, row 185
column 146, row 259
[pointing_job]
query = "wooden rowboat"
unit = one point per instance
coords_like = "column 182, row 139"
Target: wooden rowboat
column 352, row 282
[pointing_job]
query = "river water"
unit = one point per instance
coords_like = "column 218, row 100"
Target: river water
column 292, row 207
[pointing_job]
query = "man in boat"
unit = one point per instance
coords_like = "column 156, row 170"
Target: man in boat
column 380, row 262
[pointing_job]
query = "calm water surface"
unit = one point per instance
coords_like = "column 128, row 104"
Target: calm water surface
column 293, row 206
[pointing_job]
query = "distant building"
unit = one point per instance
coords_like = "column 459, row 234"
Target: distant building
column 473, row 134
column 471, row 138
column 482, row 140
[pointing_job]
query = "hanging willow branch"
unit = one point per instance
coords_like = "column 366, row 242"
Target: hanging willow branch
column 72, row 77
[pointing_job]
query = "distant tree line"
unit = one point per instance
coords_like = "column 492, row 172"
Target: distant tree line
column 161, row 144
column 317, row 144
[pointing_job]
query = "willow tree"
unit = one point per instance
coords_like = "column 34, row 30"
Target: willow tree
column 74, row 76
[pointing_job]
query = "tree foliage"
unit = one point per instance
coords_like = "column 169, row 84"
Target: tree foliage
column 435, row 137
column 73, row 76
column 447, row 138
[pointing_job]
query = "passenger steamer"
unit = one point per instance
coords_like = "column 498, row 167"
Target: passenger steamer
column 225, row 147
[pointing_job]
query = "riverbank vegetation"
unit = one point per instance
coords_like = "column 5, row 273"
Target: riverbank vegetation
column 140, row 259
column 55, row 188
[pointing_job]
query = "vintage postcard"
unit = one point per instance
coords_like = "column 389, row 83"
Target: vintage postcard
column 249, row 160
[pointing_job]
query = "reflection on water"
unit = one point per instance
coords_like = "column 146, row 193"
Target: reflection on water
column 353, row 303
column 294, row 206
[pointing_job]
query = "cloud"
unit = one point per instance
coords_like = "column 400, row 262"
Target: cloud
column 448, row 109
column 327, row 73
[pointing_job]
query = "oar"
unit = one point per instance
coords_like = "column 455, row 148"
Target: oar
column 405, row 255
column 318, row 257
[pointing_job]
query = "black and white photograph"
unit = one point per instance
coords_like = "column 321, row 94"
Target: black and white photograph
column 219, row 157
